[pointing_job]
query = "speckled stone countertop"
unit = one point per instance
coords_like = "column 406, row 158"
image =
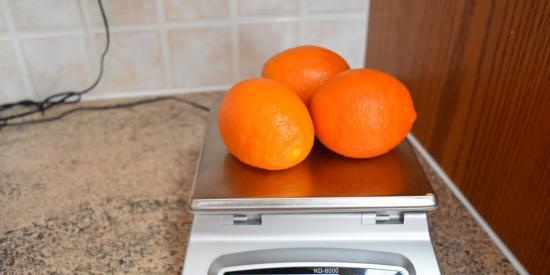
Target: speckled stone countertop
column 105, row 192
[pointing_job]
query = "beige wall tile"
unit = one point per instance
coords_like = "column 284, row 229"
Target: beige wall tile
column 333, row 6
column 258, row 42
column 177, row 10
column 122, row 12
column 268, row 7
column 45, row 14
column 56, row 64
column 11, row 82
column 342, row 36
column 133, row 63
column 201, row 56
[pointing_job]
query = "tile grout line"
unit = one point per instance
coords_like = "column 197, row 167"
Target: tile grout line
column 155, row 93
column 43, row 34
column 460, row 196
column 234, row 37
column 302, row 26
column 365, row 37
column 166, row 54
column 19, row 55
column 183, row 24
column 90, row 42
column 246, row 20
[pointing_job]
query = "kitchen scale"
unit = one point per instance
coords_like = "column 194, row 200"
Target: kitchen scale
column 327, row 215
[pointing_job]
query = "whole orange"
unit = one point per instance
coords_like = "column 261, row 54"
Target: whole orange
column 362, row 113
column 304, row 69
column 265, row 124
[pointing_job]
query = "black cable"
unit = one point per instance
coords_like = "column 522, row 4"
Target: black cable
column 107, row 107
column 67, row 97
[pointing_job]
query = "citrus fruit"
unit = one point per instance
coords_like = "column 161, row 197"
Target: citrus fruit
column 362, row 113
column 265, row 124
column 304, row 69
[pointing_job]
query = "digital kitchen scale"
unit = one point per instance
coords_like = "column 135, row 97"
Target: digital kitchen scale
column 327, row 215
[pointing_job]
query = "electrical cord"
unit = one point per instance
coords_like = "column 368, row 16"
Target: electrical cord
column 72, row 97
column 67, row 97
column 109, row 107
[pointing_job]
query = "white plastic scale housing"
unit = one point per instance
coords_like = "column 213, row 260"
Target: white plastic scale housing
column 328, row 212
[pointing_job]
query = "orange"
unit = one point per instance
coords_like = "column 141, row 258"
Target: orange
column 362, row 113
column 304, row 69
column 265, row 124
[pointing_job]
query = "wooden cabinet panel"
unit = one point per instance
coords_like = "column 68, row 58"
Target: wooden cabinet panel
column 479, row 72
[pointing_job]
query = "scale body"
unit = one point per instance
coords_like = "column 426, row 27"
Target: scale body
column 328, row 215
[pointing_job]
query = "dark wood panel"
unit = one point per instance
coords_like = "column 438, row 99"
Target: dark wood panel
column 479, row 72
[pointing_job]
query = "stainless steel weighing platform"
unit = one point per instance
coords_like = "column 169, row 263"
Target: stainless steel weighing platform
column 327, row 215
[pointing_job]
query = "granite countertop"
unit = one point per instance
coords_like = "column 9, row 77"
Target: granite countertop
column 105, row 192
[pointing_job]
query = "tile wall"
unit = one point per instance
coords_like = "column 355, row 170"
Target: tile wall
column 163, row 46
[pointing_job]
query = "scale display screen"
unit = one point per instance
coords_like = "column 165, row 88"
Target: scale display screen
column 315, row 270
